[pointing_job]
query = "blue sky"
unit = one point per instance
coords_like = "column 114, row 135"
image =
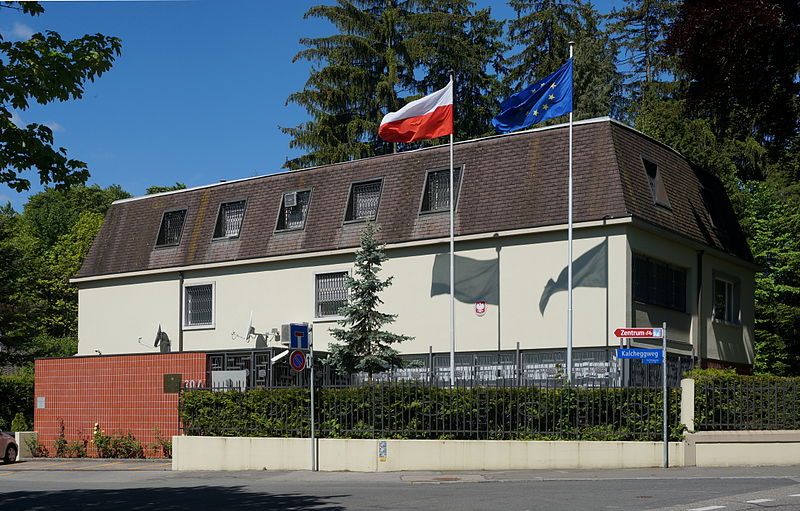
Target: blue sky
column 196, row 96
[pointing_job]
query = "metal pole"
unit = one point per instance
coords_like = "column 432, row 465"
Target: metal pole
column 664, row 392
column 311, row 385
column 452, row 272
column 569, row 248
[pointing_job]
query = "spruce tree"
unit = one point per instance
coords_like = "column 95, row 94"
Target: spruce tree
column 356, row 78
column 543, row 30
column 366, row 348
column 449, row 36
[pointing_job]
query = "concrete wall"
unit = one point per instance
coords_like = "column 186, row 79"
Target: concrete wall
column 231, row 453
column 115, row 313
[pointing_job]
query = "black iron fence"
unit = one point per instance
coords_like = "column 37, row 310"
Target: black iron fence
column 421, row 410
column 758, row 405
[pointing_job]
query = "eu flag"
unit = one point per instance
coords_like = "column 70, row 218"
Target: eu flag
column 544, row 99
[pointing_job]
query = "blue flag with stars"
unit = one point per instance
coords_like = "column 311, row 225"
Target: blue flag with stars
column 544, row 99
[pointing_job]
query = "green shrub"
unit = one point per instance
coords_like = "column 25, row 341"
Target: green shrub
column 424, row 412
column 37, row 449
column 19, row 423
column 17, row 392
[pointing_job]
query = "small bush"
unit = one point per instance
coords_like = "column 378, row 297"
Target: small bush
column 37, row 449
column 116, row 446
column 19, row 423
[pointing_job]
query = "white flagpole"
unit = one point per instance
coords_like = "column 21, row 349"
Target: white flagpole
column 452, row 265
column 569, row 246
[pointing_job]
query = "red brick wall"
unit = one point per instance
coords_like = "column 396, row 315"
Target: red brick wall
column 121, row 392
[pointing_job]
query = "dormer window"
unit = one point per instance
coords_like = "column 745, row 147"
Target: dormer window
column 229, row 219
column 363, row 202
column 294, row 208
column 436, row 196
column 657, row 189
column 171, row 228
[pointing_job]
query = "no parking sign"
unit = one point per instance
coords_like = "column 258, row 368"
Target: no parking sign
column 297, row 360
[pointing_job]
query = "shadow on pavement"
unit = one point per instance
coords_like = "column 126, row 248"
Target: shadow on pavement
column 166, row 499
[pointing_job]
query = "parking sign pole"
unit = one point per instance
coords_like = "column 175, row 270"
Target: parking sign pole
column 664, row 392
column 311, row 386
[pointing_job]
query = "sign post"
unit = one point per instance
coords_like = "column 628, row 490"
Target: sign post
column 314, row 466
column 651, row 356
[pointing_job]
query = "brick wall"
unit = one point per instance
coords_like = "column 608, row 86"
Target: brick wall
column 124, row 393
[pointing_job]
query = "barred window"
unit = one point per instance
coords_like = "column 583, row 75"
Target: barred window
column 726, row 301
column 363, row 203
column 229, row 219
column 171, row 228
column 659, row 283
column 199, row 305
column 437, row 190
column 294, row 208
column 331, row 293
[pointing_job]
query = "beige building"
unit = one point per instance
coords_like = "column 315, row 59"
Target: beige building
column 656, row 241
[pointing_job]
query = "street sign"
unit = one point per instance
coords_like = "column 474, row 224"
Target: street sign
column 297, row 360
column 648, row 355
column 639, row 332
column 298, row 336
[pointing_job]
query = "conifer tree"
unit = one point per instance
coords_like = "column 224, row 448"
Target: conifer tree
column 366, row 347
column 356, row 78
column 449, row 36
column 543, row 30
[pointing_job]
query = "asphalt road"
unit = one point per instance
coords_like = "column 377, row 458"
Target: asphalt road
column 139, row 485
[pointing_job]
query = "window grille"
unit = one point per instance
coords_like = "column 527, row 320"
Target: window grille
column 199, row 308
column 331, row 293
column 659, row 283
column 229, row 220
column 437, row 190
column 171, row 227
column 363, row 203
column 294, row 217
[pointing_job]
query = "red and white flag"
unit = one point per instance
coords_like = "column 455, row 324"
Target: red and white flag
column 428, row 117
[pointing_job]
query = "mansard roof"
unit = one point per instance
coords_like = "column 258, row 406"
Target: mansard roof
column 513, row 181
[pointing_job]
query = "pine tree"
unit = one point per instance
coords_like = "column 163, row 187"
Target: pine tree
column 543, row 30
column 356, row 78
column 449, row 36
column 366, row 347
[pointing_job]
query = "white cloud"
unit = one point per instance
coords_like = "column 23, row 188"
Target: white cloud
column 22, row 31
column 57, row 128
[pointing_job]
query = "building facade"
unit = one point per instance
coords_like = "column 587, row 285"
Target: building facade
column 656, row 240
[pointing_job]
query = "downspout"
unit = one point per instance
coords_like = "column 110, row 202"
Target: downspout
column 701, row 323
column 180, row 311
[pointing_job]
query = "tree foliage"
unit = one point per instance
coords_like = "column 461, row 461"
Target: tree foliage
column 161, row 189
column 366, row 348
column 43, row 69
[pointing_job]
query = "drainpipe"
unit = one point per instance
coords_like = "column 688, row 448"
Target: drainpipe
column 180, row 311
column 701, row 322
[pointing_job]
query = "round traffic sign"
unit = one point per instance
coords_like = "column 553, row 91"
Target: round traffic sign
column 297, row 360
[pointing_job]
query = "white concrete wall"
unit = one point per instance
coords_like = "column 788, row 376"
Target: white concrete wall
column 114, row 313
column 235, row 453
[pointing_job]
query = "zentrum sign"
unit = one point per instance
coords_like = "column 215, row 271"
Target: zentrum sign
column 639, row 332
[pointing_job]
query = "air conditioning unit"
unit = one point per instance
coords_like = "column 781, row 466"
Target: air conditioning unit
column 290, row 199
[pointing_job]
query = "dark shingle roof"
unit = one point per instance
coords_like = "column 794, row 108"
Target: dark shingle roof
column 509, row 182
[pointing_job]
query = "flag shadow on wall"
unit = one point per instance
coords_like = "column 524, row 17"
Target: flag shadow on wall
column 475, row 280
column 588, row 270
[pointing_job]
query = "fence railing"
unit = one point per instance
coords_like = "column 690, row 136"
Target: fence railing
column 420, row 410
column 726, row 406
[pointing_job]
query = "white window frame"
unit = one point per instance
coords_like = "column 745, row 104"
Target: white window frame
column 185, row 306
column 348, row 271
column 732, row 308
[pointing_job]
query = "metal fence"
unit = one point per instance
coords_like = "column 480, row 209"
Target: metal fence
column 771, row 404
column 421, row 410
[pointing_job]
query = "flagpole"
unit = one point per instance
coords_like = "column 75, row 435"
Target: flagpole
column 569, row 247
column 452, row 269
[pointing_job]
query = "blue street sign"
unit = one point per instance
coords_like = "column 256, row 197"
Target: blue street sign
column 648, row 355
column 298, row 336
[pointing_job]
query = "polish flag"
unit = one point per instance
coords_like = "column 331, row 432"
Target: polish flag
column 428, row 117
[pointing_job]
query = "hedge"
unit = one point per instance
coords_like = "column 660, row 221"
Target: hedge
column 422, row 412
column 725, row 400
column 16, row 395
